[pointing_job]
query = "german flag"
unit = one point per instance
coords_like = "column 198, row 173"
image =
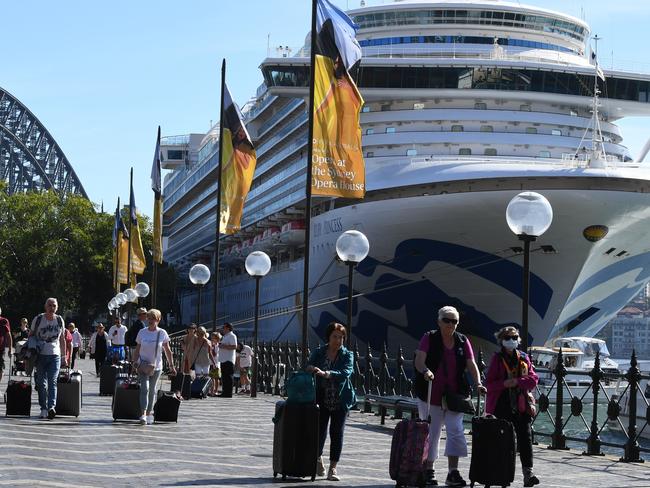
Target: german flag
column 337, row 159
column 238, row 161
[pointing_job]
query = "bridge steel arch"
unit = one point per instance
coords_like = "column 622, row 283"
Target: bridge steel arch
column 30, row 158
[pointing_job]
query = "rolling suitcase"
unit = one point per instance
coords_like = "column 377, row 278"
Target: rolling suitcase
column 18, row 398
column 200, row 387
column 108, row 374
column 68, row 395
column 295, row 440
column 493, row 452
column 409, row 451
column 166, row 408
column 182, row 383
column 126, row 400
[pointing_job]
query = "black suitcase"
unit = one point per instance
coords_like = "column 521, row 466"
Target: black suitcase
column 108, row 374
column 18, row 398
column 68, row 393
column 295, row 440
column 166, row 408
column 182, row 383
column 126, row 400
column 200, row 387
column 493, row 452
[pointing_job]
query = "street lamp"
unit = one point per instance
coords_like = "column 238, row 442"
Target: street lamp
column 529, row 215
column 258, row 264
column 352, row 247
column 199, row 276
column 142, row 289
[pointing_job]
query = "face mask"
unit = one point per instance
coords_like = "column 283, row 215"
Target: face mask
column 510, row 344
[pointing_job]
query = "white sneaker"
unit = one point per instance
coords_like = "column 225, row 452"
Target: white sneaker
column 149, row 419
column 143, row 420
column 43, row 414
column 320, row 467
column 332, row 475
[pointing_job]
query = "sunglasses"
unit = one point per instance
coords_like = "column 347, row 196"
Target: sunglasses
column 447, row 320
column 511, row 338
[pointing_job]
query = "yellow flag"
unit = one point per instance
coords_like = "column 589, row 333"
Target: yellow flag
column 238, row 166
column 122, row 271
column 138, row 262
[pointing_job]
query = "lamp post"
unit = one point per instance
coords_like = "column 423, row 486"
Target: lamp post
column 199, row 276
column 258, row 264
column 142, row 290
column 120, row 298
column 131, row 298
column 352, row 247
column 529, row 215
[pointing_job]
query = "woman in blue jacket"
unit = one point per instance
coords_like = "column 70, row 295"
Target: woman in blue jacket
column 332, row 366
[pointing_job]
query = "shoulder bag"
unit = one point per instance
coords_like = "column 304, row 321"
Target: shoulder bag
column 146, row 368
column 455, row 401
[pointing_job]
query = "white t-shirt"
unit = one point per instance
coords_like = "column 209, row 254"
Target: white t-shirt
column 228, row 339
column 118, row 338
column 76, row 338
column 245, row 357
column 49, row 332
column 147, row 340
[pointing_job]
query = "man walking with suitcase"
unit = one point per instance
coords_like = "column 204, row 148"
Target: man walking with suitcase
column 48, row 329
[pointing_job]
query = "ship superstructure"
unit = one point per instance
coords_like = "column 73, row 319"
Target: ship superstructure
column 467, row 104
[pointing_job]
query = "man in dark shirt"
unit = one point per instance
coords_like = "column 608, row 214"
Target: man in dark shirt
column 132, row 333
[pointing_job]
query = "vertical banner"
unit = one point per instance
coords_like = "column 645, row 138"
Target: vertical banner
column 123, row 253
column 156, row 186
column 138, row 262
column 238, row 161
column 337, row 159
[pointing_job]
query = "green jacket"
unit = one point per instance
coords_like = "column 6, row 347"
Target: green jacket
column 341, row 371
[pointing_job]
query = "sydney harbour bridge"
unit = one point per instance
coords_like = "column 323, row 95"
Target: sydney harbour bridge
column 30, row 158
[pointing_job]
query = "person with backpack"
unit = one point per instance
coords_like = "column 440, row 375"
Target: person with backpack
column 442, row 357
column 48, row 329
column 5, row 342
column 510, row 381
column 139, row 324
column 332, row 365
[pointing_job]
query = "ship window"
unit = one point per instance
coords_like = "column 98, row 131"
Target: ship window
column 457, row 128
column 490, row 151
column 385, row 108
column 524, row 108
column 545, row 154
column 418, row 106
column 487, row 128
column 411, row 152
column 370, row 131
column 556, row 132
column 531, row 130
column 390, row 130
column 366, row 108
column 174, row 154
column 464, row 151
column 480, row 106
column 370, row 154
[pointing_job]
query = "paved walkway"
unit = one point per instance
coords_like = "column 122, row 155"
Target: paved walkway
column 225, row 442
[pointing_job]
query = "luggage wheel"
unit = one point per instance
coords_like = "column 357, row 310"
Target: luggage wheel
column 275, row 474
column 313, row 478
column 284, row 477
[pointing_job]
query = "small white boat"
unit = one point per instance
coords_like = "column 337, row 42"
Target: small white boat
column 642, row 402
column 578, row 356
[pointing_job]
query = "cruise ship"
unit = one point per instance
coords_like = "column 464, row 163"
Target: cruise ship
column 467, row 103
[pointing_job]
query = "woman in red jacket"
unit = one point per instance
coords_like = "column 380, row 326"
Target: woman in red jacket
column 509, row 381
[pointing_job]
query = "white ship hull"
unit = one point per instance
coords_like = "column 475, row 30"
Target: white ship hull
column 430, row 251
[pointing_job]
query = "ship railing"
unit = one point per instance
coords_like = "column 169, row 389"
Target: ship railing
column 383, row 383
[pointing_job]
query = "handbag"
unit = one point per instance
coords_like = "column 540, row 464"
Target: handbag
column 455, row 401
column 301, row 388
column 526, row 403
column 146, row 368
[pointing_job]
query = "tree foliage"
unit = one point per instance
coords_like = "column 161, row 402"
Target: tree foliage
column 56, row 247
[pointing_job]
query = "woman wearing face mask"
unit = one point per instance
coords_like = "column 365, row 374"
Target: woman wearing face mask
column 509, row 379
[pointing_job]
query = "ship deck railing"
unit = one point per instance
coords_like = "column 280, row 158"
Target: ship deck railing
column 566, row 161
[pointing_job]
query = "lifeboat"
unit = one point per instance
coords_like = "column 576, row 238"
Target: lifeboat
column 293, row 233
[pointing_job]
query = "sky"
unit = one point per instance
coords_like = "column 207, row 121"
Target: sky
column 101, row 76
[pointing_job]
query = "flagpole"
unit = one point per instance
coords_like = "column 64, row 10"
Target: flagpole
column 157, row 196
column 154, row 284
column 305, row 291
column 215, row 271
column 128, row 264
column 117, row 252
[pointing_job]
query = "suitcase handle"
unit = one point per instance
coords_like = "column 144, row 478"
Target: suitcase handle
column 429, row 389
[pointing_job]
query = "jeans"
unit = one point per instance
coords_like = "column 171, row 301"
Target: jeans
column 227, row 371
column 148, row 390
column 337, row 426
column 47, row 372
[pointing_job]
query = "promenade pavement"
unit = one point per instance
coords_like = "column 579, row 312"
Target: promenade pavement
column 226, row 442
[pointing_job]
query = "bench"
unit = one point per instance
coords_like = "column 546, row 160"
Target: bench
column 397, row 403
